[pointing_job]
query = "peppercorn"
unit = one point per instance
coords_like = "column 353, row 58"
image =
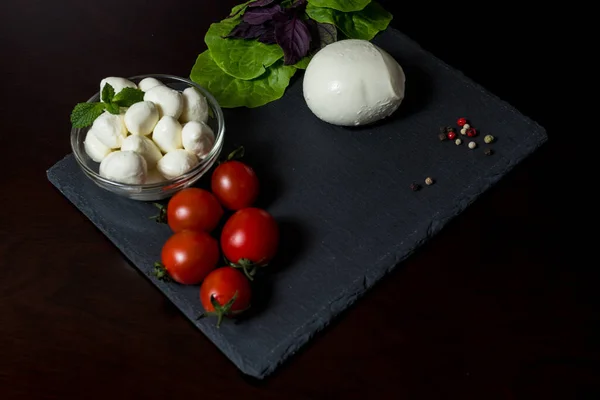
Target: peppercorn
column 466, row 126
column 458, row 142
column 471, row 132
column 442, row 136
column 472, row 145
column 451, row 135
column 415, row 187
column 428, row 181
column 488, row 152
column 488, row 139
column 461, row 122
column 463, row 131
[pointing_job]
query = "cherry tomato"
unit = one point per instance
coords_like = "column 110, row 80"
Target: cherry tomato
column 235, row 184
column 188, row 256
column 250, row 238
column 230, row 292
column 194, row 209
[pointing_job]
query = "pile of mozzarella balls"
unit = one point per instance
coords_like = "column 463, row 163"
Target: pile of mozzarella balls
column 154, row 140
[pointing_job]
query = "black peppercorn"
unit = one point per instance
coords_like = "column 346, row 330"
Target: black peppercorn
column 442, row 136
column 415, row 187
column 488, row 152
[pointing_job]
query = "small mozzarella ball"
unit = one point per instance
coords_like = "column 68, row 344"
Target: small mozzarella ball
column 148, row 83
column 94, row 148
column 154, row 176
column 125, row 167
column 141, row 118
column 198, row 138
column 195, row 106
column 117, row 83
column 110, row 129
column 169, row 101
column 176, row 163
column 144, row 147
column 167, row 134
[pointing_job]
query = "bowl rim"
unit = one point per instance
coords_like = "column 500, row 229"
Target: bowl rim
column 219, row 138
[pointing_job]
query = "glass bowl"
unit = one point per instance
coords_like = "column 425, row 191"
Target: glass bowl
column 167, row 188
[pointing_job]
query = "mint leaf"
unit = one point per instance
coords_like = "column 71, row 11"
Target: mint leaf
column 128, row 96
column 113, row 108
column 341, row 5
column 84, row 114
column 231, row 92
column 108, row 92
column 364, row 24
column 240, row 58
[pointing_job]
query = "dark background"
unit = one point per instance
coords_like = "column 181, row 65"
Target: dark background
column 496, row 306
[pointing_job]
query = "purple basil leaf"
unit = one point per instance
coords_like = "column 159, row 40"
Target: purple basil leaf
column 246, row 31
column 294, row 38
column 268, row 37
column 327, row 34
column 260, row 3
column 299, row 5
column 259, row 16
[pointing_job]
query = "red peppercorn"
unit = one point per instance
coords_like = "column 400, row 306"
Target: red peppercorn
column 451, row 135
column 471, row 132
column 461, row 122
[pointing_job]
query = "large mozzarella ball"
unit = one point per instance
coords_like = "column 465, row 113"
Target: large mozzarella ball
column 148, row 83
column 110, row 129
column 169, row 101
column 176, row 163
column 94, row 148
column 198, row 138
column 144, row 147
column 195, row 106
column 353, row 82
column 167, row 134
column 125, row 167
column 141, row 118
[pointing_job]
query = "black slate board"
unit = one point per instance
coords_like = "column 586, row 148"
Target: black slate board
column 341, row 195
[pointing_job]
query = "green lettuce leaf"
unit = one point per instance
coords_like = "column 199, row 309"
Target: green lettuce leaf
column 240, row 58
column 240, row 8
column 231, row 92
column 303, row 63
column 341, row 5
column 364, row 24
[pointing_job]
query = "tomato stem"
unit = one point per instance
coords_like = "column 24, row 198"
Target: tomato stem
column 161, row 217
column 160, row 272
column 236, row 154
column 220, row 311
column 247, row 266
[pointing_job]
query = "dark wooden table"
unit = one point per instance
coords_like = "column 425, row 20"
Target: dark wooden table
column 509, row 315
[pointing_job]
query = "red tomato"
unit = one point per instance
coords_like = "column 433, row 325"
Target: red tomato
column 229, row 288
column 188, row 256
column 194, row 209
column 251, row 236
column 235, row 184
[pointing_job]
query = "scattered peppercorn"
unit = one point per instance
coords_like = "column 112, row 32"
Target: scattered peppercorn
column 442, row 136
column 488, row 152
column 461, row 122
column 463, row 131
column 428, row 181
column 451, row 135
column 415, row 187
column 458, row 142
column 471, row 132
column 472, row 145
column 443, row 129
column 466, row 126
column 488, row 139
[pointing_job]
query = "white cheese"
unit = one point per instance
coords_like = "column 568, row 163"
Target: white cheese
column 148, row 83
column 117, row 83
column 110, row 129
column 154, row 176
column 176, row 163
column 94, row 148
column 198, row 138
column 167, row 134
column 141, row 118
column 195, row 106
column 353, row 82
column 169, row 101
column 144, row 147
column 125, row 167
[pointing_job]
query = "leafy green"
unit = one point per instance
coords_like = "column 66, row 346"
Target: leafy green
column 240, row 58
column 84, row 114
column 231, row 92
column 240, row 8
column 113, row 108
column 341, row 5
column 303, row 63
column 128, row 96
column 108, row 92
column 364, row 24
